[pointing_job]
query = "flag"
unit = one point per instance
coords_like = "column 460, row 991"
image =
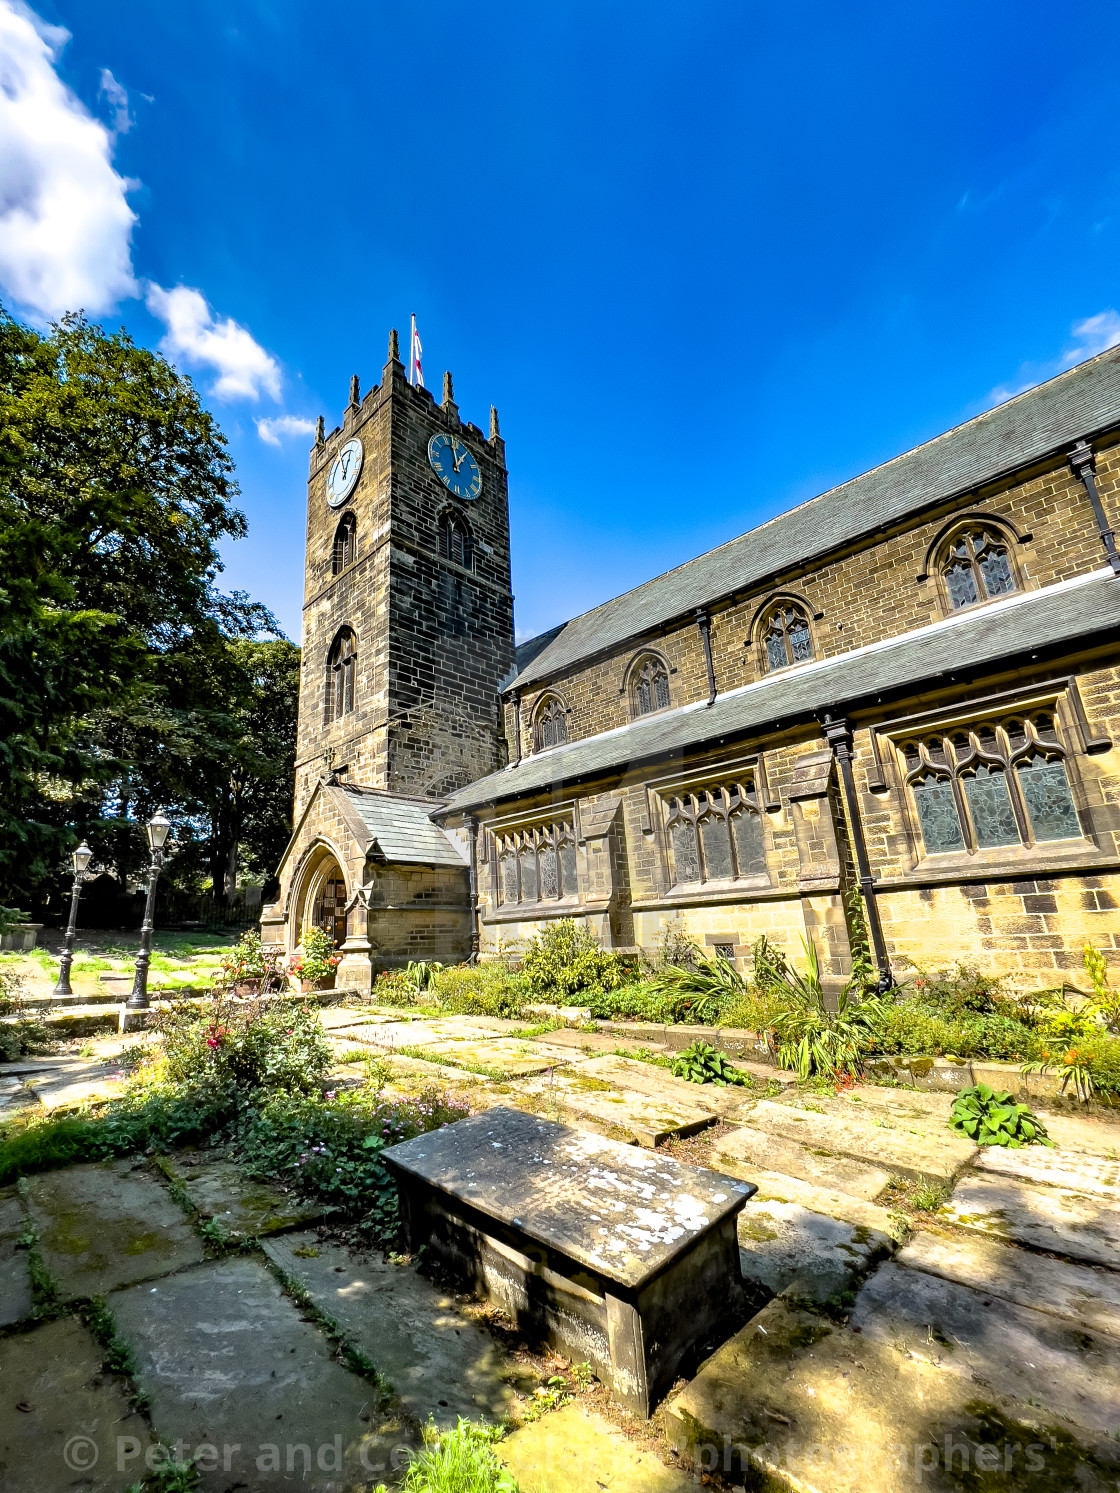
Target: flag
column 415, row 352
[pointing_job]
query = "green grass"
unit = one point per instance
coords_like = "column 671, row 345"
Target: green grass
column 458, row 1461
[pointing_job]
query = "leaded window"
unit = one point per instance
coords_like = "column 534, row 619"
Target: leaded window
column 786, row 637
column 551, row 723
column 715, row 834
column 345, row 550
column 342, row 667
column 650, row 687
column 536, row 864
column 976, row 567
column 992, row 784
column 455, row 540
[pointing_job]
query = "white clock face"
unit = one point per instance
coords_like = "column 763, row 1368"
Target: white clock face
column 344, row 473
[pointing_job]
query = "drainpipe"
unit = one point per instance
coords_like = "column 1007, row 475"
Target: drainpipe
column 1081, row 460
column 472, row 840
column 704, row 623
column 838, row 734
column 516, row 727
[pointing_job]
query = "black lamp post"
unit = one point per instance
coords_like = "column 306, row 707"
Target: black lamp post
column 158, row 829
column 81, row 859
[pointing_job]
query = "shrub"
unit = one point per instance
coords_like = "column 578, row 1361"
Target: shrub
column 481, row 990
column 317, row 959
column 910, row 1026
column 247, row 960
column 701, row 1063
column 238, row 1045
column 26, row 1033
column 961, row 992
column 815, row 1040
column 565, row 964
column 991, row 1117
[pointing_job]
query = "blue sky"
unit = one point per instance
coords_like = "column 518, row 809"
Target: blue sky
column 707, row 260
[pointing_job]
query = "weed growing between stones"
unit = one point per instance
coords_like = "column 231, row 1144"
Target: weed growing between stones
column 701, row 1063
column 119, row 1358
column 991, row 1117
column 349, row 1353
column 46, row 1303
column 458, row 1461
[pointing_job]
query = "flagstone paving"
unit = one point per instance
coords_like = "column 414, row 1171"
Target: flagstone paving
column 911, row 1152
column 242, row 1207
column 744, row 1145
column 1095, row 1175
column 1046, row 1218
column 15, row 1283
column 441, row 1363
column 575, row 1451
column 594, row 1103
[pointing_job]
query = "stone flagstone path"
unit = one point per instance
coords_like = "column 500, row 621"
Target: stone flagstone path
column 877, row 1362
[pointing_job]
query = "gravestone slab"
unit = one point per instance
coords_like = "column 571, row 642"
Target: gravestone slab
column 440, row 1362
column 243, row 1207
column 879, row 1143
column 1048, row 1218
column 1080, row 1293
column 1074, row 1170
column 623, row 1257
column 61, row 1417
column 629, row 1116
column 15, row 1282
column 630, row 1075
column 786, row 1247
column 773, row 1153
column 106, row 1225
column 229, row 1362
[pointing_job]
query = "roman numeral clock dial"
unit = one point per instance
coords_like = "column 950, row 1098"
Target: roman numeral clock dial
column 454, row 465
column 344, row 473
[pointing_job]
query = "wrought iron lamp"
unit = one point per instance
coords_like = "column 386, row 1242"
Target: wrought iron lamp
column 158, row 829
column 81, row 859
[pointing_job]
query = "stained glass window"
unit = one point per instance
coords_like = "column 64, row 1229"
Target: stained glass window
column 989, row 803
column 686, row 861
column 552, row 724
column 937, row 814
column 550, row 883
column 787, row 637
column 537, row 864
column 977, row 567
column 1050, row 805
column 746, row 826
column 528, row 875
column 568, row 882
column 509, row 878
column 651, row 687
column 717, row 847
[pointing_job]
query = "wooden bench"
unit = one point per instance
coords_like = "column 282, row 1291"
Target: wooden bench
column 621, row 1257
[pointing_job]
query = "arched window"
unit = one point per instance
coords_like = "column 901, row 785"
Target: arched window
column 455, row 540
column 976, row 567
column 551, row 724
column 715, row 833
column 342, row 668
column 786, row 638
column 649, row 686
column 345, row 544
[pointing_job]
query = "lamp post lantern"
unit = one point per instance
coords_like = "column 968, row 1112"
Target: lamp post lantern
column 81, row 859
column 158, row 829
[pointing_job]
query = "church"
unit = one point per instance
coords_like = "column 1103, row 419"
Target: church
column 902, row 696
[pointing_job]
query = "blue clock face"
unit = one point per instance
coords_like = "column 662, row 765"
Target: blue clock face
column 454, row 465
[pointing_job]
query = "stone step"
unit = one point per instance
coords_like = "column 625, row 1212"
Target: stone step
column 747, row 1146
column 909, row 1103
column 787, row 1246
column 777, row 1187
column 907, row 1152
column 632, row 1076
column 795, row 1401
column 585, row 1102
column 1061, row 1369
column 439, row 1360
column 1045, row 1218
column 1079, row 1293
column 1073, row 1170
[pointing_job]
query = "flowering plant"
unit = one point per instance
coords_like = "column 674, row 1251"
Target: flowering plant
column 316, row 959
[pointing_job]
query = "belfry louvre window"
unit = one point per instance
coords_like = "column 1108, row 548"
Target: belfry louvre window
column 536, row 865
column 786, row 637
column 345, row 544
column 976, row 568
column 551, row 723
column 715, row 834
column 992, row 784
column 342, row 667
column 650, row 687
column 455, row 540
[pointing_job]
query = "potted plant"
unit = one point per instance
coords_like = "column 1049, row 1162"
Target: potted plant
column 249, row 969
column 315, row 963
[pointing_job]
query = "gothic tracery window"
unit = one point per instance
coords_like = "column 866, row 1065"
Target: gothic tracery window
column 342, row 668
column 786, row 637
column 551, row 725
column 991, row 785
column 649, row 686
column 715, row 834
column 536, row 864
column 976, row 567
column 455, row 540
column 345, row 544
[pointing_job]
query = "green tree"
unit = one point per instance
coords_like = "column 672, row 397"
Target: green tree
column 116, row 488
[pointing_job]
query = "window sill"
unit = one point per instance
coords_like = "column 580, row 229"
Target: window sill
column 528, row 912
column 1012, row 861
column 750, row 889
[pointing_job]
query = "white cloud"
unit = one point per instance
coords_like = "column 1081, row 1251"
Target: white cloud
column 1096, row 334
column 197, row 336
column 65, row 223
column 271, row 431
column 116, row 97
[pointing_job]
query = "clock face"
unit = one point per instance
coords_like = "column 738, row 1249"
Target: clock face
column 454, row 465
column 344, row 473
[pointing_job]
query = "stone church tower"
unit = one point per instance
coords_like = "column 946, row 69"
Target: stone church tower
column 407, row 636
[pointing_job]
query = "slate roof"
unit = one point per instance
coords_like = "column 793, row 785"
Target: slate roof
column 1077, row 611
column 1079, row 403
column 402, row 828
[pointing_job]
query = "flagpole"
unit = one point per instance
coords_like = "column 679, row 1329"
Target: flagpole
column 412, row 352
